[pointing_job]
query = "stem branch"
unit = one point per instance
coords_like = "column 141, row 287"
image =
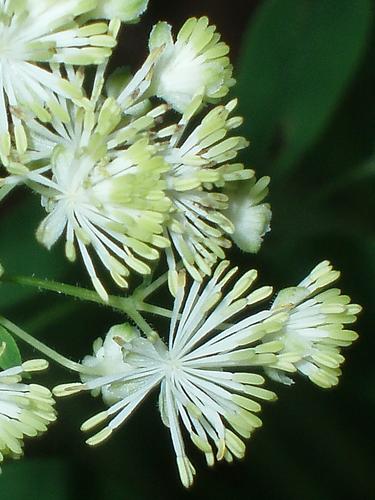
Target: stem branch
column 128, row 305
column 62, row 288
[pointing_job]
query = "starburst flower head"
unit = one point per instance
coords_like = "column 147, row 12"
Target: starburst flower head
column 101, row 184
column 195, row 64
column 115, row 206
column 125, row 10
column 315, row 330
column 200, row 167
column 207, row 370
column 36, row 37
column 250, row 217
column 25, row 409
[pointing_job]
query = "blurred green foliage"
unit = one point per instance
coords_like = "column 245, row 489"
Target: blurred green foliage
column 35, row 480
column 306, row 80
column 296, row 63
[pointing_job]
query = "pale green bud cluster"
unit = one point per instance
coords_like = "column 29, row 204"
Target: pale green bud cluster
column 195, row 64
column 315, row 328
column 116, row 180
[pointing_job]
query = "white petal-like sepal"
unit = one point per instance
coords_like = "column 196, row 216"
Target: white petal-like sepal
column 251, row 218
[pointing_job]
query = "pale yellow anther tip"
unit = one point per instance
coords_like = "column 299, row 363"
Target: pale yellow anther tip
column 35, row 365
column 64, row 390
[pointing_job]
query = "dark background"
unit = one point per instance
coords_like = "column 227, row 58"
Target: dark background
column 306, row 84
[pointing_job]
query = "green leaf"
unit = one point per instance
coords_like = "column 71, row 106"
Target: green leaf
column 11, row 355
column 297, row 61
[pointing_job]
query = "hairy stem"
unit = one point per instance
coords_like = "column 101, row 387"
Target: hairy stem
column 62, row 288
column 128, row 305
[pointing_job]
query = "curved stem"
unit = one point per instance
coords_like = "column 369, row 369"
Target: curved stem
column 128, row 305
column 139, row 320
column 69, row 290
column 47, row 351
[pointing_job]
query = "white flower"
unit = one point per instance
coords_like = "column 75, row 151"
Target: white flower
column 115, row 205
column 206, row 373
column 100, row 182
column 33, row 35
column 186, row 200
column 200, row 166
column 196, row 64
column 315, row 330
column 25, row 409
column 125, row 10
column 250, row 218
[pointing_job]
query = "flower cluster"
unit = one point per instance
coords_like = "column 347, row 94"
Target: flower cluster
column 114, row 178
column 196, row 64
column 206, row 376
column 25, row 409
column 102, row 185
column 315, row 329
column 129, row 167
column 36, row 37
column 207, row 368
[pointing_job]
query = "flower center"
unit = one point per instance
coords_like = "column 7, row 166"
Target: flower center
column 172, row 365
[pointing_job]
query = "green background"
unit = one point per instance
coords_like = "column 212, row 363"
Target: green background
column 306, row 84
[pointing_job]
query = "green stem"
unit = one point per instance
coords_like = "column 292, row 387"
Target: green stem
column 131, row 311
column 126, row 305
column 69, row 290
column 47, row 351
